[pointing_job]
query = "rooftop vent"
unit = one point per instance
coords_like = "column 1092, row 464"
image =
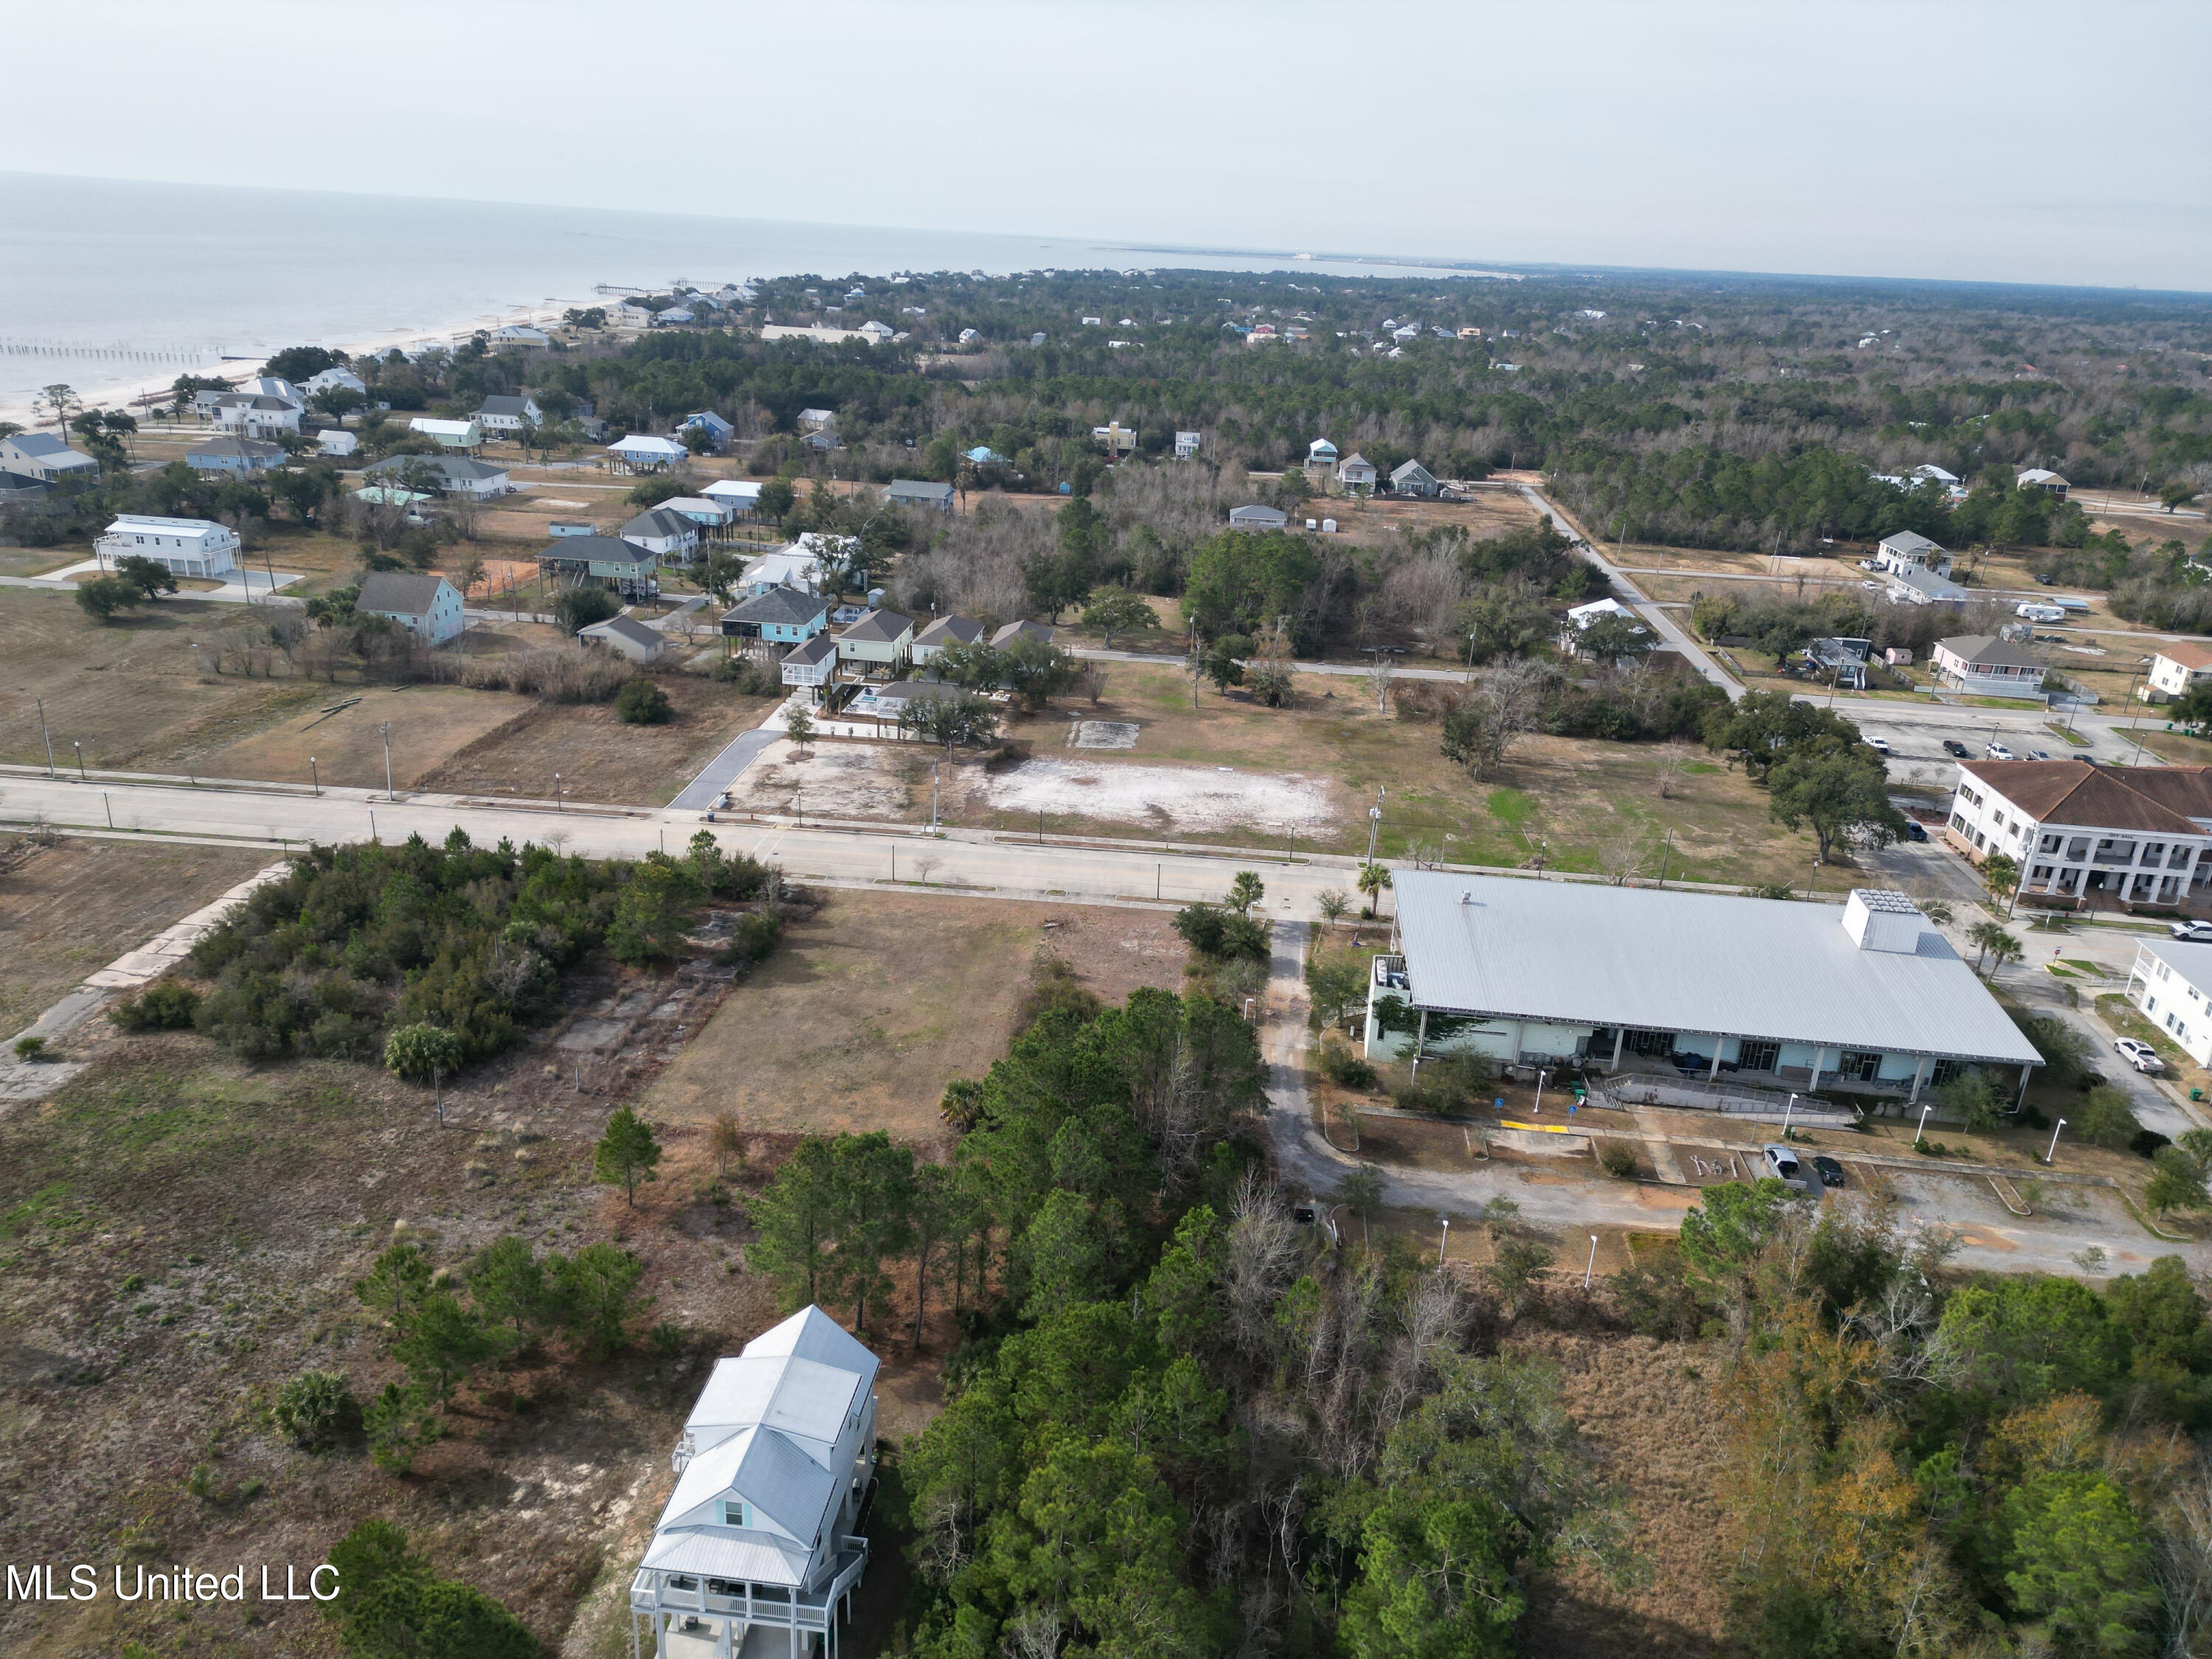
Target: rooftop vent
column 1880, row 920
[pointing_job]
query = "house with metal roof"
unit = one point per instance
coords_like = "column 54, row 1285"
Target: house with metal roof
column 782, row 616
column 1257, row 517
column 602, row 561
column 448, row 434
column 741, row 496
column 428, row 606
column 666, row 532
column 718, row 431
column 1990, row 664
column 920, row 492
column 2042, row 478
column 2088, row 835
column 189, row 547
column 755, row 1550
column 1356, row 472
column 42, row 455
column 1721, row 996
column 642, row 452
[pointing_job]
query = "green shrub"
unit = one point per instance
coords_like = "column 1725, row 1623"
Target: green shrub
column 749, row 677
column 2104, row 1118
column 1348, row 1070
column 1618, row 1159
column 316, row 1411
column 752, row 936
column 29, row 1048
column 422, row 1053
column 642, row 702
column 166, row 1004
column 1222, row 934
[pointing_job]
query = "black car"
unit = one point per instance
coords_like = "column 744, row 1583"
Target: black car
column 1830, row 1171
column 1915, row 831
column 1954, row 747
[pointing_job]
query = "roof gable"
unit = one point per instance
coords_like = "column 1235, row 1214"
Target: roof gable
column 399, row 591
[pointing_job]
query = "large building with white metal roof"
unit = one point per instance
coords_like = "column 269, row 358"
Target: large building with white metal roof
column 1866, row 999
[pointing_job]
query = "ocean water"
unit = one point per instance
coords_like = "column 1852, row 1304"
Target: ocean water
column 106, row 284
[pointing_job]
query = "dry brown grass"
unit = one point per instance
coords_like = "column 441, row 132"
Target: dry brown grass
column 71, row 907
column 599, row 757
column 870, row 1007
column 429, row 723
column 1646, row 1410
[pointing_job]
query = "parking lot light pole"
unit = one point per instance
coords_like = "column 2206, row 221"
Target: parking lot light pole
column 315, row 774
column 2052, row 1151
column 1921, row 1134
column 1592, row 1267
column 1443, row 1243
column 1788, row 1108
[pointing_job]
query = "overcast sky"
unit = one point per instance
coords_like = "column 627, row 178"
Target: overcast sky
column 2018, row 142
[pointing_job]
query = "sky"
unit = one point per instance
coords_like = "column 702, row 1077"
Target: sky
column 2016, row 142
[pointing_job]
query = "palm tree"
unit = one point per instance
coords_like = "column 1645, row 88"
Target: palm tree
column 1246, row 890
column 1373, row 878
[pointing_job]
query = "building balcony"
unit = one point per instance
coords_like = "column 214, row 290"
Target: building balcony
column 654, row 1590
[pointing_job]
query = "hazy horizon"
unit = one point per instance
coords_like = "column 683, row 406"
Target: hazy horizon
column 1875, row 140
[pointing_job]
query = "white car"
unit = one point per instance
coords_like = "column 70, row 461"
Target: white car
column 2139, row 1055
column 2191, row 932
column 1997, row 752
column 1880, row 746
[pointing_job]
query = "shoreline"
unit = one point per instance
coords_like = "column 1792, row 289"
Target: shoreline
column 139, row 395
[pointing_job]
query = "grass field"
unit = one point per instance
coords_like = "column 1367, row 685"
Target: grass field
column 867, row 1010
column 599, row 757
column 1571, row 801
column 74, row 906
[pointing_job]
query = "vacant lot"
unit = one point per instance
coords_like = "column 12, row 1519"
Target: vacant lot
column 598, row 757
column 70, row 906
column 132, row 692
column 428, row 724
column 869, row 1009
column 1234, row 773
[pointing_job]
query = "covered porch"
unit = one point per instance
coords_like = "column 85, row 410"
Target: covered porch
column 696, row 1616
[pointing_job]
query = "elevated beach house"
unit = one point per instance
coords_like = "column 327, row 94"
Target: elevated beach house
column 189, row 547
column 755, row 1552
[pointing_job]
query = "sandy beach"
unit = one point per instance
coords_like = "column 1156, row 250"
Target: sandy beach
column 137, row 395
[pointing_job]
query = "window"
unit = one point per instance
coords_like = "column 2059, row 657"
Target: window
column 1859, row 1065
column 736, row 1514
column 1944, row 1071
column 1752, row 1057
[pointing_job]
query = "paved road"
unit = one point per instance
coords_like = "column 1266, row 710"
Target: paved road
column 719, row 772
column 1669, row 629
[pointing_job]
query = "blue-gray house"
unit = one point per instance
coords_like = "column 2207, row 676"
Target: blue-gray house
column 783, row 615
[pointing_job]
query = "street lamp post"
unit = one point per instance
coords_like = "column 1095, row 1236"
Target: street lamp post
column 2052, row 1151
column 1444, row 1242
column 556, row 793
column 1921, row 1132
column 77, row 744
column 1786, row 1111
column 1540, row 1091
column 1592, row 1267
column 315, row 775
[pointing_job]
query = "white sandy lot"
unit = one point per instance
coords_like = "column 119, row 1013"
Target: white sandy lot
column 888, row 780
column 1188, row 797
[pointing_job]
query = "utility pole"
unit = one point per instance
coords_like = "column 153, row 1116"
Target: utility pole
column 46, row 734
column 1374, row 823
column 384, row 731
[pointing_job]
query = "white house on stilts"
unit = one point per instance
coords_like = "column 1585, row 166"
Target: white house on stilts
column 754, row 1558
